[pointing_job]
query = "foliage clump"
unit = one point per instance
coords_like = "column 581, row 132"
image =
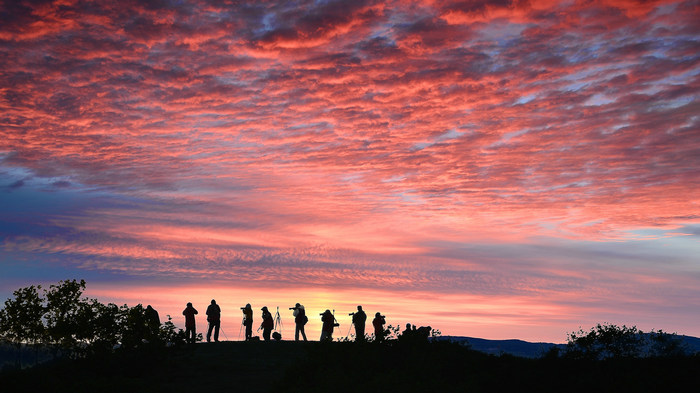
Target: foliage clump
column 61, row 319
column 605, row 341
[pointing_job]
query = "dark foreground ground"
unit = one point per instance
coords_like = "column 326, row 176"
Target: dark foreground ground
column 347, row 367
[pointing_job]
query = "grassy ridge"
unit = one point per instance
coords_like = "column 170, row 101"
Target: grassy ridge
column 346, row 367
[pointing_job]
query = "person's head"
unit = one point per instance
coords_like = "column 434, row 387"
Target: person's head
column 297, row 305
column 359, row 308
column 377, row 315
column 213, row 301
column 408, row 326
column 327, row 311
column 189, row 304
column 264, row 308
column 247, row 306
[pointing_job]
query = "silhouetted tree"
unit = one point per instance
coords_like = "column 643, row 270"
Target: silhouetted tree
column 611, row 341
column 21, row 319
column 67, row 322
column 62, row 310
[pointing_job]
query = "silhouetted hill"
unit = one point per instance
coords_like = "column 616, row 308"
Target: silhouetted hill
column 534, row 350
column 439, row 366
column 28, row 355
column 511, row 347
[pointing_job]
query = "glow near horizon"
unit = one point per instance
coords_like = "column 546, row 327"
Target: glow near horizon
column 504, row 171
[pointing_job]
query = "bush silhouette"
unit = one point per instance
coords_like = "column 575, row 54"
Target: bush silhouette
column 605, row 341
column 74, row 326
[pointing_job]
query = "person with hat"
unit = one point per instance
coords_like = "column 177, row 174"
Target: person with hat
column 267, row 323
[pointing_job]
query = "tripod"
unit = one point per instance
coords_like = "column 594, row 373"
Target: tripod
column 222, row 331
column 241, row 329
column 349, row 330
column 278, row 319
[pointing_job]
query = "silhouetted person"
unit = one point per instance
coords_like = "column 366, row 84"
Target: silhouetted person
column 267, row 323
column 408, row 333
column 300, row 319
column 422, row 333
column 214, row 319
column 248, row 321
column 152, row 322
column 190, row 326
column 358, row 318
column 378, row 323
column 328, row 324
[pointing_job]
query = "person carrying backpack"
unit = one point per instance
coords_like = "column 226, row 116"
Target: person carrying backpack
column 300, row 319
column 267, row 323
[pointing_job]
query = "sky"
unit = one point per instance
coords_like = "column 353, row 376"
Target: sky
column 495, row 169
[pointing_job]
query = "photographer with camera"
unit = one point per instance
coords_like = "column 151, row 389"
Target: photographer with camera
column 300, row 319
column 248, row 321
column 358, row 319
column 378, row 322
column 190, row 328
column 329, row 323
column 267, row 323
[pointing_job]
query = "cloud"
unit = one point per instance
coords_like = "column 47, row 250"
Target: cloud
column 17, row 184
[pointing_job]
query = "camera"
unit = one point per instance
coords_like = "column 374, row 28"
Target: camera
column 242, row 308
column 352, row 313
column 292, row 308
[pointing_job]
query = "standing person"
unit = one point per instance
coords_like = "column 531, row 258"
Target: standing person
column 248, row 321
column 190, row 328
column 300, row 320
column 358, row 318
column 378, row 323
column 214, row 319
column 267, row 323
column 152, row 322
column 328, row 324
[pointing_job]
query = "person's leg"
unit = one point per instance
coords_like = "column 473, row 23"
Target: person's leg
column 211, row 326
column 216, row 332
column 296, row 333
column 303, row 334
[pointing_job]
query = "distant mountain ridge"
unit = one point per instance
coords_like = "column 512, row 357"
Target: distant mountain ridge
column 533, row 349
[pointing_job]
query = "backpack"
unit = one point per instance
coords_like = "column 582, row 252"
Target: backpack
column 306, row 319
